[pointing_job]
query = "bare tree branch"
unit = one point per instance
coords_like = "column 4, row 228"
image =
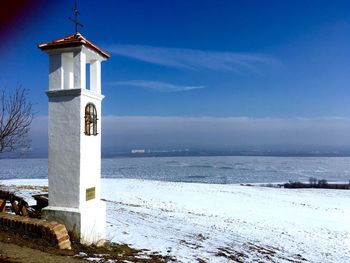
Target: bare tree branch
column 16, row 115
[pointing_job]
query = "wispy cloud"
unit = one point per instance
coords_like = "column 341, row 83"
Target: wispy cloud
column 155, row 85
column 195, row 59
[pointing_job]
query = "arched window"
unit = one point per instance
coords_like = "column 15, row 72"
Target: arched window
column 90, row 119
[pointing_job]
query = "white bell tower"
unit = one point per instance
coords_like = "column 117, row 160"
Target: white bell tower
column 74, row 132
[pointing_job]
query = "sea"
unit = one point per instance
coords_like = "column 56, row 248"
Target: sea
column 213, row 169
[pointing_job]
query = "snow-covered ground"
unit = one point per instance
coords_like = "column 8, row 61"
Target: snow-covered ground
column 219, row 223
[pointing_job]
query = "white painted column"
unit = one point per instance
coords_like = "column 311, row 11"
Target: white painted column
column 79, row 68
column 67, row 67
column 95, row 76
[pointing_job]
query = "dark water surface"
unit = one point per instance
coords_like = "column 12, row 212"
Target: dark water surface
column 221, row 169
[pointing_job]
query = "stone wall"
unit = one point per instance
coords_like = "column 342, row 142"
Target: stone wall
column 52, row 232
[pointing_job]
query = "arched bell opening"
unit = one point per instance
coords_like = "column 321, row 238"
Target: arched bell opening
column 90, row 119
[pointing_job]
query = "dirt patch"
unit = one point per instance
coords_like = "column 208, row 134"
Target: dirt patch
column 20, row 248
column 268, row 251
column 231, row 254
column 121, row 253
column 16, row 253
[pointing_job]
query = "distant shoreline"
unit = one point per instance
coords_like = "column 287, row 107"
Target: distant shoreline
column 192, row 154
column 304, row 185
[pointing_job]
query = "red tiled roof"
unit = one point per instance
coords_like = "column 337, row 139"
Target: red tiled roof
column 72, row 40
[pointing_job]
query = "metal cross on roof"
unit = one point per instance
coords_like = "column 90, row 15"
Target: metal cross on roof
column 75, row 19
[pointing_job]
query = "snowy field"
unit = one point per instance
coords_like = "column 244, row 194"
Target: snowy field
column 221, row 223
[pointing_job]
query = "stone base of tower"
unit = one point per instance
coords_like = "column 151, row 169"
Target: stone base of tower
column 88, row 223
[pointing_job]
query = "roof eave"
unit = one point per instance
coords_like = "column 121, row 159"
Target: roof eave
column 80, row 42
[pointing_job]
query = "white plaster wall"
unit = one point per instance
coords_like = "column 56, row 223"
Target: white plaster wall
column 90, row 150
column 79, row 69
column 64, row 151
column 95, row 76
column 67, row 67
column 75, row 165
column 93, row 222
column 92, row 55
column 87, row 223
column 55, row 72
column 74, row 158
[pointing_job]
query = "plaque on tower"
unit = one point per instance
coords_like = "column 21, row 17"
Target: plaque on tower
column 90, row 193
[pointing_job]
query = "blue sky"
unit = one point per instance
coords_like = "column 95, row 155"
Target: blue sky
column 222, row 61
